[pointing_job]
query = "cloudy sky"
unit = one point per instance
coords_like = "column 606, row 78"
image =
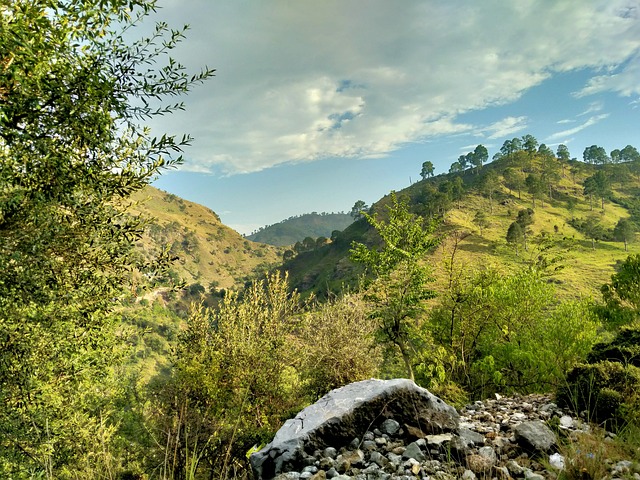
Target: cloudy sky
column 317, row 104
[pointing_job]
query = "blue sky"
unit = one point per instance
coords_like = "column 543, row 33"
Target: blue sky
column 318, row 104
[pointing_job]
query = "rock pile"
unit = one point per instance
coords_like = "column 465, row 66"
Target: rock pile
column 503, row 438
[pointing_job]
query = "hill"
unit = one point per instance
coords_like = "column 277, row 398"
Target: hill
column 476, row 207
column 296, row 229
column 208, row 252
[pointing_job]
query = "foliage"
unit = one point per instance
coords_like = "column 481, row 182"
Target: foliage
column 624, row 290
column 398, row 288
column 506, row 332
column 339, row 345
column 427, row 170
column 71, row 153
column 235, row 377
column 606, row 391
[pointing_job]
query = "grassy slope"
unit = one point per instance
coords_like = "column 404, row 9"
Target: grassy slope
column 585, row 269
column 297, row 229
column 208, row 251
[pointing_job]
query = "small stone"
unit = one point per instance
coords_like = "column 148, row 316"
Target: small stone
column 514, row 468
column 326, row 463
column 502, row 473
column 566, row 422
column 288, row 476
column 468, row 475
column 389, row 426
column 529, row 475
column 556, row 461
column 438, row 440
column 321, row 475
column 415, row 468
column 331, row 473
column 394, row 459
column 355, row 443
column 368, row 436
column 330, row 452
column 488, row 453
column 414, row 451
column 379, row 459
column 369, row 445
column 305, row 475
column 380, row 441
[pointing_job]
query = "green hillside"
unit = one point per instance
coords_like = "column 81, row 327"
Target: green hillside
column 296, row 229
column 564, row 215
column 208, row 252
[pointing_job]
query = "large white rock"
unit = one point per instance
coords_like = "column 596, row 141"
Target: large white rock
column 347, row 413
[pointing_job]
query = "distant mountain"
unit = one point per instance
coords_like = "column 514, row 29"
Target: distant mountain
column 296, row 229
column 208, row 252
column 564, row 212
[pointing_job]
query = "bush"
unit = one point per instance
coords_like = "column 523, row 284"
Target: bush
column 625, row 348
column 604, row 390
column 339, row 346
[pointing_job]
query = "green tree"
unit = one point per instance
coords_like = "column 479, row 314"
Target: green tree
column 427, row 170
column 489, row 185
column 515, row 235
column 593, row 229
column 629, row 154
column 72, row 92
column 479, row 157
column 624, row 289
column 480, row 219
column 536, row 187
column 599, row 185
column 595, row 155
column 530, row 144
column 399, row 276
column 455, row 167
column 514, row 179
column 358, row 209
column 624, row 231
column 562, row 152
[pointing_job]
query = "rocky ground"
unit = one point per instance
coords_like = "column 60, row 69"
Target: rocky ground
column 500, row 438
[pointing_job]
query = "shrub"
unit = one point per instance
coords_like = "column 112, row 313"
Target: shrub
column 624, row 348
column 604, row 390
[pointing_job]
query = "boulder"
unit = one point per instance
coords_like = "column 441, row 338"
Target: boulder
column 347, row 413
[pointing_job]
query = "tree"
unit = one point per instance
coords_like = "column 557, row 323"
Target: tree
column 593, row 229
column 624, row 289
column 399, row 275
column 595, row 155
column 479, row 157
column 535, row 186
column 358, row 209
column 490, row 183
column 514, row 179
column 530, row 144
column 515, row 235
column 629, row 154
column 456, row 167
column 562, row 152
column 598, row 184
column 71, row 153
column 480, row 219
column 427, row 170
column 624, row 231
column 463, row 160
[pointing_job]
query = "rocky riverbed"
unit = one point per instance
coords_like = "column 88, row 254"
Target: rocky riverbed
column 499, row 438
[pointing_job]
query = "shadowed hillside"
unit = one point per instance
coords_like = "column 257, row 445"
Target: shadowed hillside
column 296, row 229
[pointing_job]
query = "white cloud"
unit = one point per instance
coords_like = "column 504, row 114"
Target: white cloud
column 572, row 131
column 506, row 127
column 299, row 81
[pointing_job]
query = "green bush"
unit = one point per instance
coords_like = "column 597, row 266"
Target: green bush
column 625, row 348
column 605, row 390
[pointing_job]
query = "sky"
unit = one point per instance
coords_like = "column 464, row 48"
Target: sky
column 317, row 104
